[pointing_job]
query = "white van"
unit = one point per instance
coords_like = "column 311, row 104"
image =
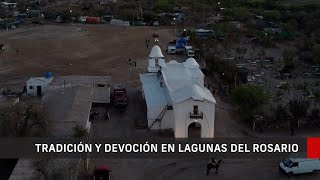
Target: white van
column 190, row 53
column 156, row 23
column 292, row 166
column 172, row 49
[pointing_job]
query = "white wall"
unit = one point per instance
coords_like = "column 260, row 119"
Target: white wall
column 167, row 121
column 152, row 114
column 152, row 67
column 182, row 118
column 119, row 22
column 33, row 92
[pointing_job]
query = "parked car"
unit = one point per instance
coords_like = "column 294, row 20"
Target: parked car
column 292, row 166
column 190, row 53
column 172, row 49
column 101, row 173
column 156, row 23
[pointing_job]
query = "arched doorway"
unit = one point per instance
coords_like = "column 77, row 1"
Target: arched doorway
column 194, row 130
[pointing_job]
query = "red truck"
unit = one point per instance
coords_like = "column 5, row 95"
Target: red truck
column 101, row 173
column 120, row 95
column 92, row 20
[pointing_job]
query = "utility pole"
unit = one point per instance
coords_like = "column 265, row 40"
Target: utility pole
column 132, row 17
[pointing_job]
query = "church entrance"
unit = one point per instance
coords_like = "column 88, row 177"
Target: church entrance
column 194, row 130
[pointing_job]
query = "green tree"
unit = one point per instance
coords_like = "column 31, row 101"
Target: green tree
column 298, row 110
column 281, row 115
column 316, row 53
column 249, row 98
column 271, row 15
column 80, row 131
column 164, row 6
column 315, row 114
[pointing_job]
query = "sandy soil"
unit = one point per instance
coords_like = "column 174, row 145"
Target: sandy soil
column 100, row 50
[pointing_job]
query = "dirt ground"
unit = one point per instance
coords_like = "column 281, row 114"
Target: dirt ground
column 68, row 49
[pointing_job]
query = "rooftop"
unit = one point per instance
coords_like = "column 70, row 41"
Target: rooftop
column 153, row 93
column 177, row 75
column 78, row 79
column 71, row 106
column 183, row 81
column 38, row 80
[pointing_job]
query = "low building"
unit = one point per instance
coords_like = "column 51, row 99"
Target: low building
column 38, row 86
column 204, row 33
column 177, row 99
column 102, row 2
column 8, row 5
column 71, row 106
column 237, row 24
column 67, row 108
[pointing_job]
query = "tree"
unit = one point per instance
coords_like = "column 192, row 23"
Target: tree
column 315, row 114
column 47, row 169
column 164, row 6
column 298, row 110
column 241, row 51
column 288, row 57
column 273, row 15
column 249, row 98
column 80, row 131
column 281, row 115
column 316, row 53
column 23, row 120
column 316, row 96
column 42, row 169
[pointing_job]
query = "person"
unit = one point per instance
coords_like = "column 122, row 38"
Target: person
column 214, row 162
column 135, row 64
column 292, row 131
column 161, row 82
column 217, row 166
column 129, row 60
column 211, row 164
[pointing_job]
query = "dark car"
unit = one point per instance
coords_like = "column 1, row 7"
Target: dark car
column 101, row 173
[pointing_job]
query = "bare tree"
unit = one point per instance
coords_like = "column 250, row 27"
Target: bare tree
column 23, row 120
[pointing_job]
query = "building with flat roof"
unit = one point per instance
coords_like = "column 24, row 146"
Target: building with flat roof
column 177, row 99
column 38, row 86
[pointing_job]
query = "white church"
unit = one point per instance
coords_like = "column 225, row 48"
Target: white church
column 176, row 97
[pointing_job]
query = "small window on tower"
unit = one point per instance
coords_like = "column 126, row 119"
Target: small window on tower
column 156, row 61
column 195, row 110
